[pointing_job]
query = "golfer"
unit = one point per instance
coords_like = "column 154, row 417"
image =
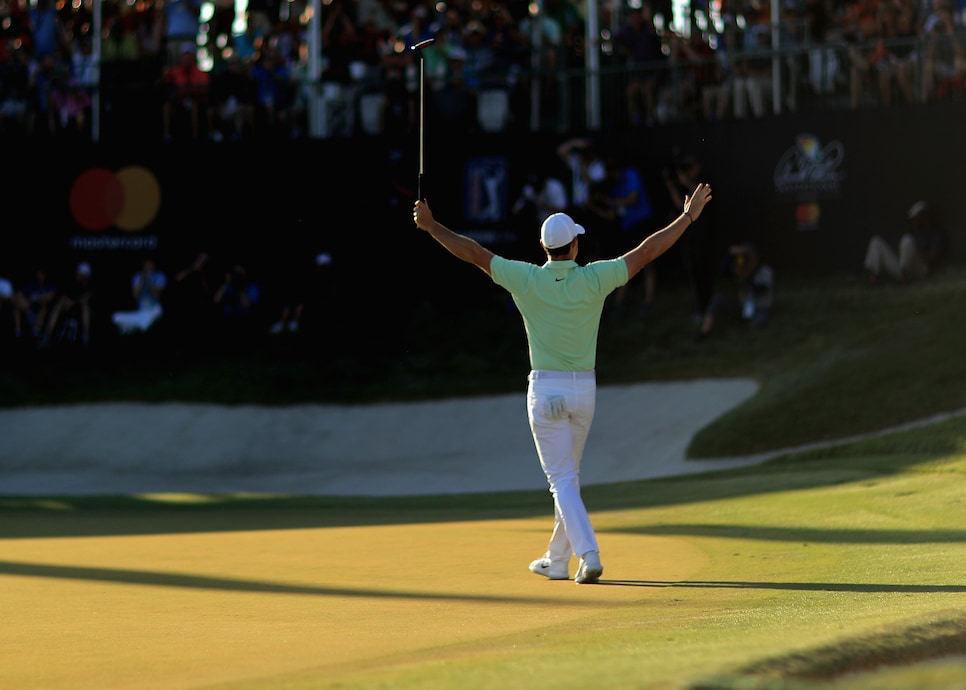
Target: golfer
column 561, row 304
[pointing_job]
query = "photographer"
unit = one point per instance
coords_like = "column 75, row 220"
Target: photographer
column 699, row 258
column 753, row 300
column 918, row 251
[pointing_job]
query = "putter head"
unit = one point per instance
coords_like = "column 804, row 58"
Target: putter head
column 423, row 44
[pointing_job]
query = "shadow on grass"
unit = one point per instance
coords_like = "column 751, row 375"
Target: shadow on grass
column 793, row 586
column 187, row 581
column 34, row 517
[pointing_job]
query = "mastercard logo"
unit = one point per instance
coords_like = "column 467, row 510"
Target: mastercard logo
column 127, row 199
column 807, row 213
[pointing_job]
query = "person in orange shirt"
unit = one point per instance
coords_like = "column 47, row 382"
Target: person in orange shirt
column 862, row 32
column 186, row 87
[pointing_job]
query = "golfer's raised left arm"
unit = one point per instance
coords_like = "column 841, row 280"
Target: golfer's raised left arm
column 656, row 244
column 460, row 246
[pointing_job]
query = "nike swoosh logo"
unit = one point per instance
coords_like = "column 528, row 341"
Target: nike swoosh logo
column 557, row 280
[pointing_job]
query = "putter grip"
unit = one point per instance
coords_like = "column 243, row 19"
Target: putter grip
column 420, row 187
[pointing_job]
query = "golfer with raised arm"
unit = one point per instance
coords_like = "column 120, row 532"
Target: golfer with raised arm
column 561, row 304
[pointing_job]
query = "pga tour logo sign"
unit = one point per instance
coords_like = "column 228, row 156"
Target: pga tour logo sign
column 486, row 191
column 810, row 169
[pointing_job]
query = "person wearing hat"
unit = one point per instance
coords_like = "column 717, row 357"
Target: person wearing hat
column 753, row 300
column 561, row 303
column 70, row 316
column 920, row 250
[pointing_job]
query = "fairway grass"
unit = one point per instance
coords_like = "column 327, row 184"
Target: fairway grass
column 801, row 573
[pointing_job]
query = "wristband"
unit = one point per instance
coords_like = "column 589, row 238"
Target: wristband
column 688, row 214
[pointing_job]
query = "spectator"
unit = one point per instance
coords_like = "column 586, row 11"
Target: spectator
column 542, row 195
column 861, row 30
column 274, row 90
column 300, row 291
column 121, row 42
column 920, row 250
column 627, row 202
column 730, row 43
column 6, row 305
column 231, row 105
column 400, row 109
column 49, row 39
column 186, row 94
column 70, row 318
column 586, row 168
column 793, row 63
column 455, row 101
column 14, row 87
column 189, row 300
column 46, row 87
column 567, row 16
column 478, row 67
column 698, row 77
column 181, row 27
column 822, row 31
column 33, row 304
column 341, row 40
column 696, row 248
column 450, row 32
column 263, row 15
column 73, row 99
column 245, row 44
column 945, row 60
column 237, row 301
column 752, row 78
column 319, row 300
column 147, row 289
column 550, row 57
column 896, row 54
column 510, row 48
column 640, row 47
column 150, row 35
column 753, row 301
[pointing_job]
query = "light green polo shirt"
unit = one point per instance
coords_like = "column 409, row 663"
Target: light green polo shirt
column 561, row 304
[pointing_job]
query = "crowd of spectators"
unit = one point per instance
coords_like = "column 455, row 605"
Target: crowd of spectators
column 215, row 74
column 221, row 301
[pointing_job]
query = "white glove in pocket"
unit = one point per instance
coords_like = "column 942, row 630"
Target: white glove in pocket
column 555, row 407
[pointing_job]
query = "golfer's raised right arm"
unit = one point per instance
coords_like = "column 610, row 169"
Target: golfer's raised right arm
column 656, row 244
column 460, row 246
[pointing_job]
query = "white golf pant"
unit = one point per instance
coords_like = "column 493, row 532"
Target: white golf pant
column 560, row 406
column 881, row 257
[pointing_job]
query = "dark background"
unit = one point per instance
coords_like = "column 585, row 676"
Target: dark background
column 273, row 205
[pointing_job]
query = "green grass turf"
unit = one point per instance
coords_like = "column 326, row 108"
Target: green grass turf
column 840, row 567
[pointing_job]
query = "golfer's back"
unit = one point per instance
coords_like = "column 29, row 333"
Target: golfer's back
column 561, row 304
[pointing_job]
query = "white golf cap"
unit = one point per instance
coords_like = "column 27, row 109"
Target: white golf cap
column 596, row 171
column 917, row 208
column 559, row 230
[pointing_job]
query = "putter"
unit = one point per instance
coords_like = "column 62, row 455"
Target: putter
column 419, row 49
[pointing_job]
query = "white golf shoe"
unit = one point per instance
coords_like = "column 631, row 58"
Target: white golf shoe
column 550, row 570
column 590, row 569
